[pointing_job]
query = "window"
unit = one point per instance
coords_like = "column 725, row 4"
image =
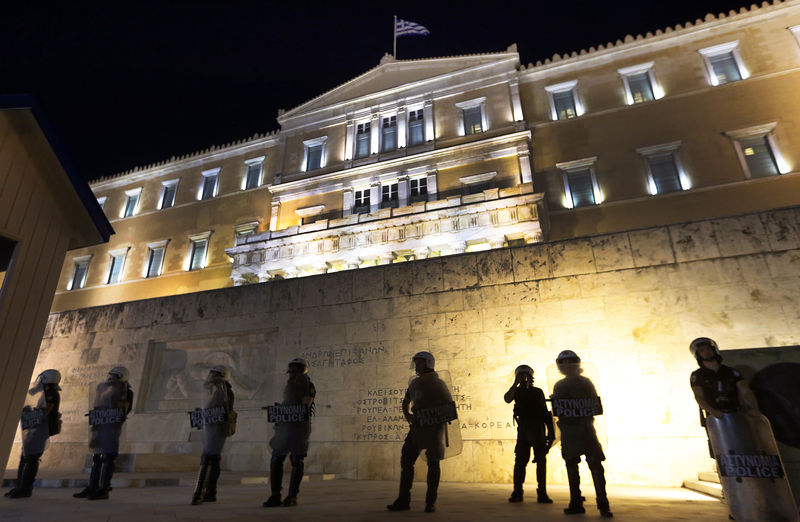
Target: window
column 478, row 182
column 418, row 189
column 131, row 202
column 116, row 265
column 314, row 154
column 363, row 137
column 665, row 172
column 473, row 117
column 252, row 173
column 640, row 85
column 563, row 101
column 155, row 258
column 389, row 134
column 244, row 230
column 197, row 253
column 168, row 193
column 79, row 272
column 416, row 128
column 757, row 151
column 389, row 198
column 209, row 187
column 102, row 202
column 723, row 63
column 580, row 183
column 361, row 201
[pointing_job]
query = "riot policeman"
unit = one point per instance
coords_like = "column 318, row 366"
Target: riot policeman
column 40, row 420
column 718, row 389
column 291, row 437
column 534, row 429
column 575, row 403
column 216, row 419
column 426, row 391
column 112, row 402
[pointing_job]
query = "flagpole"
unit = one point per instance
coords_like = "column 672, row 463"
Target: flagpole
column 394, row 39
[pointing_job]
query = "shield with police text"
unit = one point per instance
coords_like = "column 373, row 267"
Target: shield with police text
column 574, row 394
column 109, row 410
column 291, row 418
column 33, row 421
column 211, row 412
column 435, row 427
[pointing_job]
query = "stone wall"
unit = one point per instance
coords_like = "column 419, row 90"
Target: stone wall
column 628, row 303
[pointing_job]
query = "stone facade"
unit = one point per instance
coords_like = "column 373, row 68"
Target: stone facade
column 628, row 303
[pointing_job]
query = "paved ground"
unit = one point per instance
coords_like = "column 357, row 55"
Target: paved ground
column 354, row 501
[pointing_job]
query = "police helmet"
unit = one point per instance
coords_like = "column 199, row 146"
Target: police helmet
column 298, row 361
column 120, row 372
column 567, row 356
column 222, row 371
column 50, row 377
column 425, row 356
column 523, row 368
column 695, row 345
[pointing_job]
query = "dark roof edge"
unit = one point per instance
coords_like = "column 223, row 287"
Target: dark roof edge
column 81, row 186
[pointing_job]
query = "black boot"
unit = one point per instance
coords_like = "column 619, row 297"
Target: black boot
column 94, row 477
column 213, row 475
column 434, row 474
column 106, row 472
column 20, row 470
column 275, row 480
column 599, row 479
column 298, row 467
column 541, row 481
column 197, row 496
column 403, row 501
column 519, row 479
column 28, row 476
column 575, row 497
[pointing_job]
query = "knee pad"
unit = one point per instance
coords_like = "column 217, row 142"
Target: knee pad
column 277, row 459
column 297, row 460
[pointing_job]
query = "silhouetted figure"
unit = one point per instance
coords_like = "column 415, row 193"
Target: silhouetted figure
column 427, row 392
column 40, row 420
column 534, row 430
column 291, row 438
column 575, row 403
column 111, row 404
column 218, row 421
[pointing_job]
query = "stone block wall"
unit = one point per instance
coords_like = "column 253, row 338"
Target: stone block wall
column 628, row 303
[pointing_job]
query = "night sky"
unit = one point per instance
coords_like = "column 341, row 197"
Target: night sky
column 130, row 84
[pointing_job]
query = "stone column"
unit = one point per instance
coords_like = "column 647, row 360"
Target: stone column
column 427, row 114
column 375, row 134
column 525, row 168
column 432, row 188
column 516, row 105
column 273, row 218
column 402, row 190
column 349, row 140
column 347, row 202
column 401, row 127
column 374, row 197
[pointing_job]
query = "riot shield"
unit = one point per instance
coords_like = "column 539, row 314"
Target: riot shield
column 581, row 403
column 435, row 413
column 211, row 413
column 291, row 418
column 33, row 421
column 750, row 468
column 109, row 403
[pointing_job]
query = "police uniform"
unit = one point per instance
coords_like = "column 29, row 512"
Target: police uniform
column 719, row 388
column 578, row 437
column 534, row 423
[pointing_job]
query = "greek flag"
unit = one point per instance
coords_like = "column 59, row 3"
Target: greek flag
column 402, row 27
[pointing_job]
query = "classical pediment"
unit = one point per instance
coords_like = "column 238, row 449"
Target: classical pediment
column 392, row 74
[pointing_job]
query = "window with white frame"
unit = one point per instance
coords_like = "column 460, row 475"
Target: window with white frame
column 102, row 202
column 389, row 195
column 208, row 189
column 79, row 272
column 361, row 203
column 314, row 156
column 252, row 173
column 198, row 250
column 664, row 169
column 131, row 202
column 155, row 258
column 724, row 63
column 473, row 116
column 416, row 127
column 757, row 151
column 245, row 229
column 388, row 133
column 168, row 191
column 640, row 84
column 116, row 264
column 363, row 139
column 564, row 103
column 580, row 183
column 418, row 189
